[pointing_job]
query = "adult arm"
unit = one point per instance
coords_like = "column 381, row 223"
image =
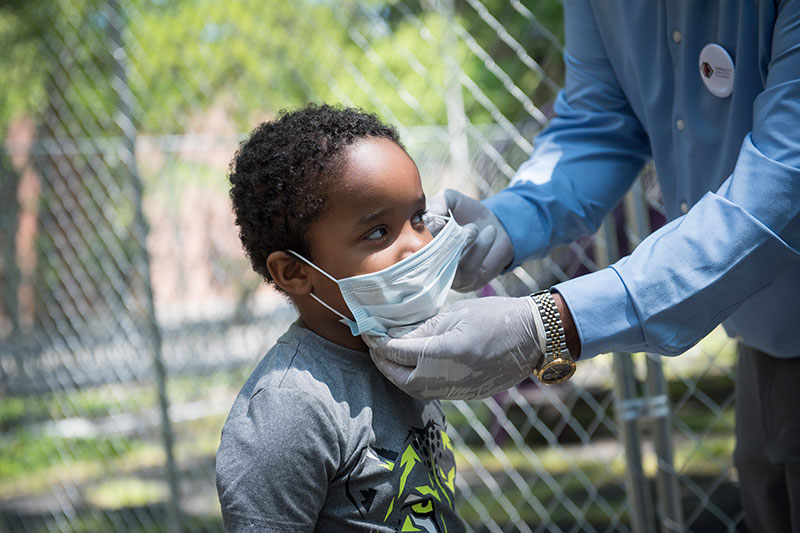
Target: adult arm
column 582, row 164
column 693, row 273
column 584, row 160
column 681, row 281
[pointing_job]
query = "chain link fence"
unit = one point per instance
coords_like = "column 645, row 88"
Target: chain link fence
column 129, row 316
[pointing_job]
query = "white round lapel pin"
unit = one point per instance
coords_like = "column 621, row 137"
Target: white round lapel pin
column 716, row 70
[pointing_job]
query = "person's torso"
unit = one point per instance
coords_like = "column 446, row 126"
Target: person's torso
column 396, row 468
column 695, row 136
column 654, row 49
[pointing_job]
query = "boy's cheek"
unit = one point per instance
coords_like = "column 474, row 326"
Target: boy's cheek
column 394, row 254
column 333, row 297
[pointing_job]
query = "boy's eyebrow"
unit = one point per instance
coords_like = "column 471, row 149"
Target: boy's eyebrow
column 368, row 217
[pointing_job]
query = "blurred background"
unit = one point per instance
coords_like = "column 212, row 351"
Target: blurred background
column 130, row 317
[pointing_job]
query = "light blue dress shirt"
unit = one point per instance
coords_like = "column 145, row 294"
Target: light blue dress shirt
column 633, row 91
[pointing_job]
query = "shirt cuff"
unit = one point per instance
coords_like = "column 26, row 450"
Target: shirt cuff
column 603, row 313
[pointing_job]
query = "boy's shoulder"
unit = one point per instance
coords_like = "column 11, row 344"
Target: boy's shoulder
column 305, row 364
column 303, row 389
column 299, row 353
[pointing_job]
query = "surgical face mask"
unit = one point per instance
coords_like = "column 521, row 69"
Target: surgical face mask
column 410, row 291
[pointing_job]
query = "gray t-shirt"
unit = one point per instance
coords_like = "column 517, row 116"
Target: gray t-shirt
column 319, row 440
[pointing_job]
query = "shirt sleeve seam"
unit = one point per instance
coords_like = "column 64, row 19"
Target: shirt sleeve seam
column 243, row 519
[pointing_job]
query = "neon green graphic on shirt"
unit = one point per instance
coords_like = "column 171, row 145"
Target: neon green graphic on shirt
column 449, row 479
column 424, row 507
column 446, row 442
column 419, row 507
column 408, row 526
column 424, row 490
column 389, row 510
column 409, row 459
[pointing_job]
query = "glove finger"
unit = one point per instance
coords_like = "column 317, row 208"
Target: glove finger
column 499, row 257
column 434, row 224
column 403, row 377
column 406, row 379
column 397, row 374
column 420, row 330
column 377, row 342
column 472, row 232
column 470, row 272
column 438, row 204
column 403, row 332
column 402, row 351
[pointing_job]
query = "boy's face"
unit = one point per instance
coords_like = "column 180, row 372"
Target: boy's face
column 374, row 219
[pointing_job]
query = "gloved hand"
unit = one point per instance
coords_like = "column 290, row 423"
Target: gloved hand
column 491, row 251
column 473, row 349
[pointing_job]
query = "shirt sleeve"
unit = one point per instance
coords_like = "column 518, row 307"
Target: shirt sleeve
column 586, row 157
column 693, row 273
column 275, row 463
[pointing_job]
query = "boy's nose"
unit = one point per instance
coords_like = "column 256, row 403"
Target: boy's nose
column 412, row 241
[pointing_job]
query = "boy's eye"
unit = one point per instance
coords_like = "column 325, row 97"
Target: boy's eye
column 377, row 233
column 418, row 218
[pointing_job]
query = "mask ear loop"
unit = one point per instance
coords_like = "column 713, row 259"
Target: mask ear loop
column 309, row 263
column 435, row 222
column 318, row 269
column 440, row 217
column 330, row 308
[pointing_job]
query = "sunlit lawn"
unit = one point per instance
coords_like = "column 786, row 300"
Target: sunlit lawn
column 124, row 470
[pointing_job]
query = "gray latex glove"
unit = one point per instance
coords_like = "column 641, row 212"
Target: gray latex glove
column 491, row 251
column 472, row 349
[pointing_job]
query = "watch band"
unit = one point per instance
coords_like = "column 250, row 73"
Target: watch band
column 555, row 339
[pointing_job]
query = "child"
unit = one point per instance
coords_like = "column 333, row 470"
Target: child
column 330, row 209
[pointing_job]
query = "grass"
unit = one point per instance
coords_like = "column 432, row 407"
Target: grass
column 32, row 457
column 107, row 400
column 33, row 463
column 549, row 484
column 123, row 474
column 125, row 492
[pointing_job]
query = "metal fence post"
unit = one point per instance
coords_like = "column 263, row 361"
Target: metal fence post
column 670, row 512
column 456, row 117
column 125, row 121
column 628, row 409
column 669, row 509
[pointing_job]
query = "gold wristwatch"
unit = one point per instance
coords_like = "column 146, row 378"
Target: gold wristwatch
column 556, row 365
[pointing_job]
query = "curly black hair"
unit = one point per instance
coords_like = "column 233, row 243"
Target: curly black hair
column 281, row 174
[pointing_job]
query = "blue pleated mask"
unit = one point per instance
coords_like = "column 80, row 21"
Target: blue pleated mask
column 408, row 292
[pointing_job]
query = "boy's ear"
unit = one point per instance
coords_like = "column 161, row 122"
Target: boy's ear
column 288, row 273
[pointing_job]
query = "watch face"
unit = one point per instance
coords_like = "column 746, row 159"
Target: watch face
column 557, row 371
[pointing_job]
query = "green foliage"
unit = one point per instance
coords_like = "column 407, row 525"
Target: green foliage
column 56, row 53
column 194, row 54
column 404, row 82
column 185, row 56
column 30, row 452
column 90, row 404
column 21, row 74
column 531, row 37
column 15, row 409
column 127, row 492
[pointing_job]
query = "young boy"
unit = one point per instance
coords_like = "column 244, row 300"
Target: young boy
column 330, row 209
